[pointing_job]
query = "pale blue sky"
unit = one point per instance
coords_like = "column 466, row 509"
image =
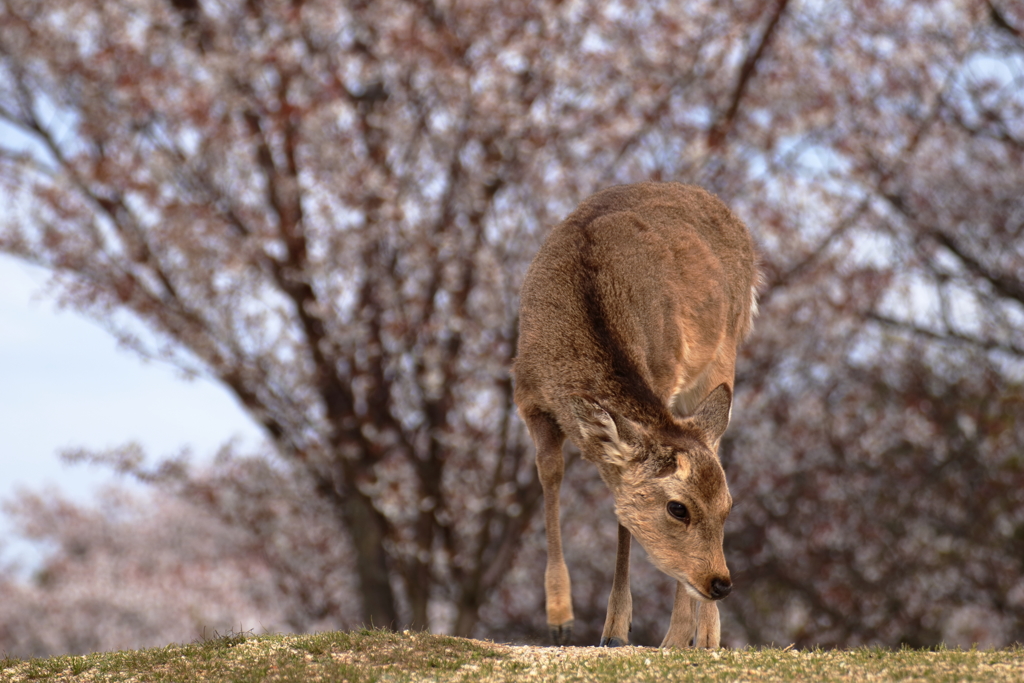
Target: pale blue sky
column 65, row 383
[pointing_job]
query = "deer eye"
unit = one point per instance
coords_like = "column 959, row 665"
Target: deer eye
column 679, row 511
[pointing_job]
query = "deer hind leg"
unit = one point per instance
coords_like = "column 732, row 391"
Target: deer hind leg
column 694, row 623
column 548, row 438
column 620, row 602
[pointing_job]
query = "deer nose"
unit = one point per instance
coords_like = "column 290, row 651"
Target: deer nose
column 720, row 587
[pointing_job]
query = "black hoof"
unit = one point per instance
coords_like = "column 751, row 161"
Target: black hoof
column 561, row 635
column 611, row 642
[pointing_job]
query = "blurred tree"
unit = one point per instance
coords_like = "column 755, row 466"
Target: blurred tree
column 134, row 570
column 878, row 449
column 329, row 209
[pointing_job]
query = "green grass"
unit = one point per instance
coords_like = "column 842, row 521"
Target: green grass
column 366, row 656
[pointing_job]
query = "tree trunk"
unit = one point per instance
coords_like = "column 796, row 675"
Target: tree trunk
column 468, row 615
column 368, row 530
column 419, row 597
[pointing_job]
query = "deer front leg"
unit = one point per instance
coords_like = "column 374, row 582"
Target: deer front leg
column 547, row 439
column 694, row 623
column 620, row 601
column 709, row 627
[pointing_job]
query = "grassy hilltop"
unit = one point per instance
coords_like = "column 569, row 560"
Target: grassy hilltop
column 366, row 656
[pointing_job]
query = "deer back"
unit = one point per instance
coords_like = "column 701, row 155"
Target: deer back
column 633, row 300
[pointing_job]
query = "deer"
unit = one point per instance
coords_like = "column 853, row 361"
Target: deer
column 630, row 318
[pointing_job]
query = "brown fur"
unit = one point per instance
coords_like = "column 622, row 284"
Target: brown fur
column 630, row 318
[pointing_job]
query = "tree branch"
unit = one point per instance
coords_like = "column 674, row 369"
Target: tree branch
column 1005, row 285
column 723, row 125
column 949, row 337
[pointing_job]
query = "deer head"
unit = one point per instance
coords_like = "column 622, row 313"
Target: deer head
column 669, row 486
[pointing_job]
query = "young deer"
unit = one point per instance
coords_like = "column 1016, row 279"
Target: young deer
column 630, row 318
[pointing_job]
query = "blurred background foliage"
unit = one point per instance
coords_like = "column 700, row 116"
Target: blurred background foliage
column 329, row 207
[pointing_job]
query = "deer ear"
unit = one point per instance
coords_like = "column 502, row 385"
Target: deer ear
column 712, row 415
column 599, row 429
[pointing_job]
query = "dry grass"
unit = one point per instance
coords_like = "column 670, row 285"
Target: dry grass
column 384, row 656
